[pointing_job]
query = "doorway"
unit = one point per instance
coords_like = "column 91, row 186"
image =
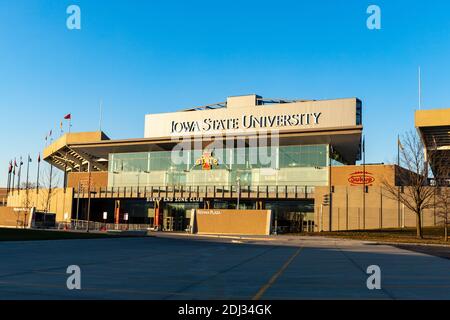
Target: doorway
column 177, row 216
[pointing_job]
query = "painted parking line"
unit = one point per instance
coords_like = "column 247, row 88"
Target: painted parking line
column 274, row 278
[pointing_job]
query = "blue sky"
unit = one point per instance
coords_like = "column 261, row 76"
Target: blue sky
column 155, row 56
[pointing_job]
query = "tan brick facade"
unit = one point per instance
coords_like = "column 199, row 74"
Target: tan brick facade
column 59, row 202
column 237, row 222
column 98, row 179
column 350, row 213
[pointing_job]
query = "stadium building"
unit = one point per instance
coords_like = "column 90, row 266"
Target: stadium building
column 294, row 159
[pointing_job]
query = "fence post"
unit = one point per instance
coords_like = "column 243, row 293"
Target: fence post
column 338, row 219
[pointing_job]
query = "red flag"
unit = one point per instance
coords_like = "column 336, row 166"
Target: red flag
column 68, row 116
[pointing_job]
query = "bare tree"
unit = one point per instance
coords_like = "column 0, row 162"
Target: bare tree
column 31, row 185
column 441, row 177
column 443, row 207
column 50, row 181
column 412, row 188
column 26, row 202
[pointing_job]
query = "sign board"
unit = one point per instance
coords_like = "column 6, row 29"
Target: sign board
column 357, row 178
column 176, row 199
column 209, row 211
column 302, row 115
column 236, row 222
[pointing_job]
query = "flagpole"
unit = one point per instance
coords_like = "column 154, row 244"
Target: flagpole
column 26, row 183
column 18, row 179
column 19, row 173
column 28, row 170
column 398, row 189
column 364, row 183
column 50, row 187
column 101, row 116
column 9, row 178
column 7, row 184
column 69, row 117
column 420, row 88
column 49, row 199
column 37, row 178
column 14, row 175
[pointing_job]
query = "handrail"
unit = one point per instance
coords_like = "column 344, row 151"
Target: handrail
column 102, row 226
column 215, row 190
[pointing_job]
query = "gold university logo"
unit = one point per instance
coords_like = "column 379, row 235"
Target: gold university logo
column 207, row 161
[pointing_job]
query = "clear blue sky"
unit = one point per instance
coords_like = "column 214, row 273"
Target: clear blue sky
column 154, row 56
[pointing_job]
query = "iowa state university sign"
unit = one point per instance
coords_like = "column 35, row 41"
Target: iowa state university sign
column 246, row 122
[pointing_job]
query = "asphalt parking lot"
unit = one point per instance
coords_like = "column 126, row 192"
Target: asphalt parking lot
column 169, row 267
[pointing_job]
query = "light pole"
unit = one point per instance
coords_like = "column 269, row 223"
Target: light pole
column 105, row 217
column 330, row 187
column 89, row 196
column 78, row 205
column 125, row 217
column 138, row 182
column 276, row 222
column 238, row 180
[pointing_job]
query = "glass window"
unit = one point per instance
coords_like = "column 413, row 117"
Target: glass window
column 295, row 165
column 358, row 113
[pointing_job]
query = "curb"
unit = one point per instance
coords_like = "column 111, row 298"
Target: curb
column 220, row 237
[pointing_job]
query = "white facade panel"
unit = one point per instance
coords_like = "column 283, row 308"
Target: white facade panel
column 288, row 116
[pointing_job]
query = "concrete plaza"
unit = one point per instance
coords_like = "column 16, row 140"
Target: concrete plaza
column 181, row 267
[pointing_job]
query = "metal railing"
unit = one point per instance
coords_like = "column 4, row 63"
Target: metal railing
column 101, row 226
column 171, row 191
